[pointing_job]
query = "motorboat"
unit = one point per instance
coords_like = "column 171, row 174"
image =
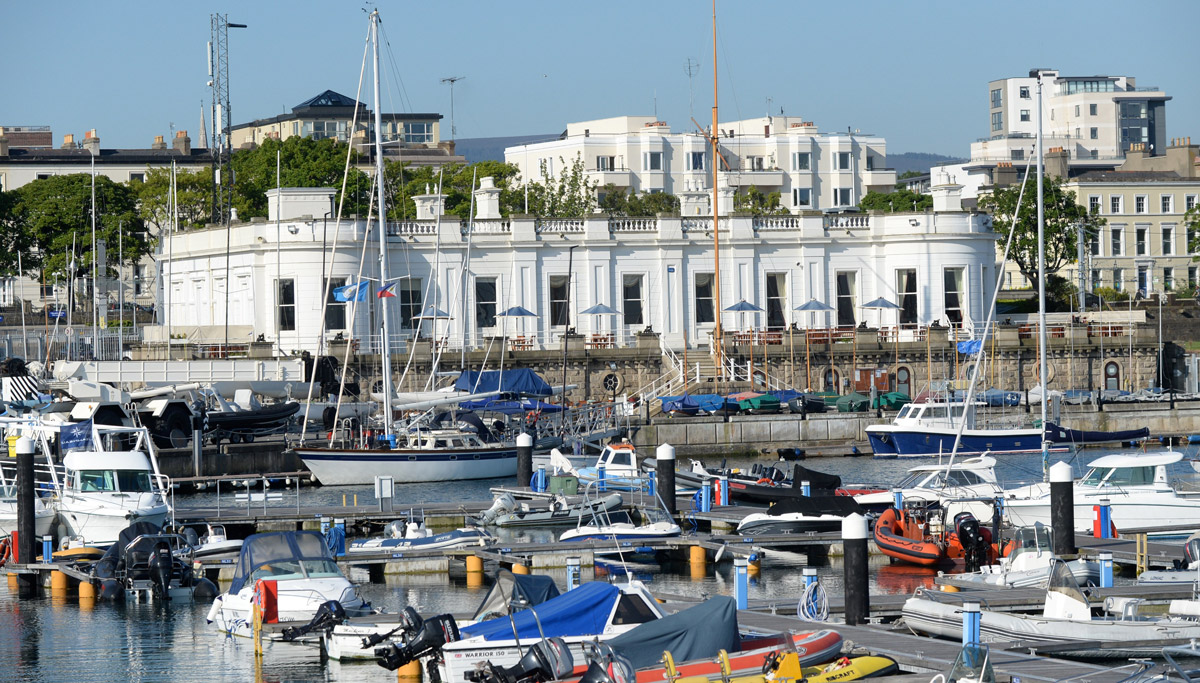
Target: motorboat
column 616, row 468
column 1136, row 486
column 1066, row 619
column 1186, row 570
column 216, row 542
column 800, row 515
column 305, row 577
column 919, row 534
column 507, row 512
column 680, row 406
column 426, row 455
column 1027, row 562
column 410, row 534
column 768, row 483
column 147, row 565
column 647, row 518
column 930, row 428
column 43, row 516
column 962, row 485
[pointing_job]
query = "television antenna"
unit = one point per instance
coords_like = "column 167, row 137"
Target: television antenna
column 691, row 68
column 452, row 80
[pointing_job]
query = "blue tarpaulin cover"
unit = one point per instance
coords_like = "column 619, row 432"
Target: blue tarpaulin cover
column 678, row 634
column 581, row 612
column 279, row 547
column 510, row 407
column 516, row 381
column 712, row 403
column 683, row 404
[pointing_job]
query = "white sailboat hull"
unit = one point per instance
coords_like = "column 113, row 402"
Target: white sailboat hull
column 336, row 467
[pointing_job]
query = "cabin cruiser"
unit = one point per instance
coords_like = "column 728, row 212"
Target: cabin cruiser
column 1136, row 487
column 947, row 484
column 616, row 468
column 105, row 491
column 924, row 429
column 305, row 577
column 647, row 518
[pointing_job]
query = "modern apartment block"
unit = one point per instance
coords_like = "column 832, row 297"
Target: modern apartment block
column 811, row 170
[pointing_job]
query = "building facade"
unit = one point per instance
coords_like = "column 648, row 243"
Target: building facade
column 810, row 170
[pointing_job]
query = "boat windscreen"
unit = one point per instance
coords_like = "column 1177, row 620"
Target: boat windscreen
column 973, row 664
column 1064, row 599
column 283, row 555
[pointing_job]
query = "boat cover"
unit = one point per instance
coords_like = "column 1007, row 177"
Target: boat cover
column 1057, row 434
column 278, row 546
column 581, row 612
column 999, row 397
column 685, row 404
column 817, row 481
column 510, row 407
column 531, row 588
column 516, row 381
column 853, row 403
column 712, row 403
column 114, row 557
column 892, row 400
column 785, row 395
column 762, row 402
column 677, row 633
column 815, row 506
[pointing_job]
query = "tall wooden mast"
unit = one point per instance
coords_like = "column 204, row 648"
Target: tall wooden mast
column 714, row 138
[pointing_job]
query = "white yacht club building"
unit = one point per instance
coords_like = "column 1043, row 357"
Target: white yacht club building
column 938, row 266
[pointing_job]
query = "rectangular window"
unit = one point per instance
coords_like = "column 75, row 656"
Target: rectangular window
column 485, row 302
column 847, row 297
column 776, row 300
column 43, row 176
column 1094, row 243
column 1092, row 109
column 1119, row 279
column 695, row 161
column 409, row 293
column 800, row 161
column 418, row 132
column 997, row 98
column 906, row 291
column 753, row 163
column 1193, row 274
column 842, row 196
column 1189, row 245
column 47, row 291
column 651, row 161
column 801, row 197
column 604, row 163
column 1094, row 204
column 335, row 311
column 1095, row 133
column 1077, row 133
column 1118, row 242
column 843, row 161
column 285, row 297
column 870, row 162
column 137, row 177
column 1139, row 204
column 558, row 301
column 1168, row 279
column 1077, row 110
column 1167, row 203
column 1097, row 281
column 1189, row 202
column 1140, row 241
column 1016, row 154
column 1114, row 204
column 1024, row 92
column 1143, row 281
column 953, row 281
column 704, row 298
column 997, row 121
column 1025, row 115
column 1168, row 240
column 631, row 296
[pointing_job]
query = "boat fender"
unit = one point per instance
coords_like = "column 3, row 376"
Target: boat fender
column 110, row 589
column 763, row 480
column 203, row 589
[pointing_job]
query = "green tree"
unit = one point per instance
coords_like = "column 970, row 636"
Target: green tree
column 569, row 195
column 1062, row 214
column 13, row 240
column 404, row 181
column 304, row 162
column 758, row 203
column 896, row 202
column 53, row 217
column 618, row 202
column 195, row 198
column 1191, row 219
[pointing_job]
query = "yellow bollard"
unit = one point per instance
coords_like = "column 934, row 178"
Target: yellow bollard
column 947, row 588
column 356, row 500
column 343, row 500
column 12, row 582
column 474, row 579
column 519, row 569
column 698, row 555
column 409, row 672
column 474, row 564
column 87, row 591
column 58, row 583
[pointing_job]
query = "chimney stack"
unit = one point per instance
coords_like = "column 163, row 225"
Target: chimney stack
column 68, row 141
column 182, row 143
column 158, row 143
column 91, row 142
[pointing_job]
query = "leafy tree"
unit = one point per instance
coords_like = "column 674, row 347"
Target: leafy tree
column 894, row 202
column 53, row 217
column 912, row 173
column 756, row 202
column 618, row 202
column 13, row 241
column 1062, row 213
column 570, row 195
column 404, row 181
column 304, row 162
column 1191, row 219
column 195, row 198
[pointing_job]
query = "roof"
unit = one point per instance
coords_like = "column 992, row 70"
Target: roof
column 330, row 104
column 1128, row 177
column 107, row 460
column 328, row 98
column 1147, row 460
column 106, row 156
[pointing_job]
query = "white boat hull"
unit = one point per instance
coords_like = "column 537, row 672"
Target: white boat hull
column 99, row 521
column 337, row 467
column 43, row 518
column 231, row 613
column 1132, row 512
column 1084, row 572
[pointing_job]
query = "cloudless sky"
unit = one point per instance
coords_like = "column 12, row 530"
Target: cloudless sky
column 915, row 72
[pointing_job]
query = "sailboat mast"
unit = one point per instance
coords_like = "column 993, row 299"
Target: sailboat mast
column 385, row 347
column 95, row 292
column 1041, row 225
column 714, row 136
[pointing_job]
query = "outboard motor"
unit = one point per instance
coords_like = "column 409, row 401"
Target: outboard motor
column 329, row 614
column 433, row 634
column 160, row 567
column 1191, row 552
column 546, row 660
column 410, row 622
column 606, row 666
column 189, row 534
column 974, row 543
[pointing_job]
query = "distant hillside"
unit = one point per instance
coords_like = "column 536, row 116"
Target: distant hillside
column 918, row 161
column 492, row 149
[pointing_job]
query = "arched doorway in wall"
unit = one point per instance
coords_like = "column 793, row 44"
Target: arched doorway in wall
column 904, row 380
column 832, row 381
column 1112, row 375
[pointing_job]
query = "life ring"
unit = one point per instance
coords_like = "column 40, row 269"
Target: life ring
column 764, row 480
column 5, row 550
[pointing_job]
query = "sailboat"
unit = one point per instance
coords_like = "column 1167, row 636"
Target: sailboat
column 417, row 454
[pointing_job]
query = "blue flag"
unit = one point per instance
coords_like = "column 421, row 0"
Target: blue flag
column 354, row 292
column 75, row 436
column 970, row 346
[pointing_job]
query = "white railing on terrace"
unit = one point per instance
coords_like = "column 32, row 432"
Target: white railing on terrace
column 78, row 344
column 702, row 224
column 559, row 225
column 411, row 228
column 633, row 225
column 847, row 222
column 500, row 226
column 740, row 372
column 777, row 223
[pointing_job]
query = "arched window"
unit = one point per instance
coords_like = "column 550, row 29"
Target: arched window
column 904, row 381
column 1112, row 375
column 833, row 381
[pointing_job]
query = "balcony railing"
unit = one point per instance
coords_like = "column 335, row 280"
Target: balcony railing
column 411, row 228
column 559, row 225
column 500, row 226
column 633, row 225
column 847, row 222
column 767, row 223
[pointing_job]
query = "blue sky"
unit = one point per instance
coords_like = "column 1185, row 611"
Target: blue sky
column 914, row 72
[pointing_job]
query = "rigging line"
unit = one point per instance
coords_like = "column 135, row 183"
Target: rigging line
column 391, row 61
column 512, row 268
column 466, row 274
column 412, row 351
column 431, row 382
column 337, row 225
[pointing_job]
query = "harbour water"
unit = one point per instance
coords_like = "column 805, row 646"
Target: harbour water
column 54, row 639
